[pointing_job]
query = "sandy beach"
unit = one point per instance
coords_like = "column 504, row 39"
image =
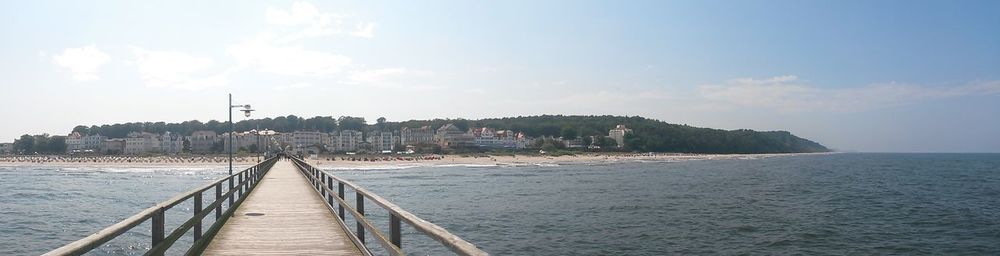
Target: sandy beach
column 372, row 161
column 375, row 162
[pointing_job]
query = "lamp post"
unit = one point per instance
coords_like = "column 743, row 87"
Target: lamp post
column 232, row 129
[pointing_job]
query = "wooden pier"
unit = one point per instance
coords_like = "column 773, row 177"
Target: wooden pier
column 282, row 206
column 283, row 215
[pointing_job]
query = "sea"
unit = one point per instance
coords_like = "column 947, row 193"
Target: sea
column 824, row 204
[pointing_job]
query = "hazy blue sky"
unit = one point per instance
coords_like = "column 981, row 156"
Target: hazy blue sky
column 854, row 75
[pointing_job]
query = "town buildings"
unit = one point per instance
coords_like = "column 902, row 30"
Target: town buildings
column 383, row 141
column 169, row 143
column 93, row 142
column 449, row 136
column 413, row 136
column 202, row 141
column 78, row 143
column 113, row 146
column 6, row 148
column 618, row 134
column 74, row 142
column 490, row 138
column 345, row 141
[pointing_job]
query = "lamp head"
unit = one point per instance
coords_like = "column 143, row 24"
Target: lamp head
column 246, row 110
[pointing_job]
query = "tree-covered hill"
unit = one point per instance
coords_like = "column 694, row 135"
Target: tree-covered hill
column 648, row 135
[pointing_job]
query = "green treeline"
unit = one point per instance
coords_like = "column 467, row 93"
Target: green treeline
column 648, row 135
column 42, row 144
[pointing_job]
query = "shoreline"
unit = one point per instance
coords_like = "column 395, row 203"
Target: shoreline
column 348, row 162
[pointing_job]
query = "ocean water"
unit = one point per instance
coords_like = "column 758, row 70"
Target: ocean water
column 836, row 204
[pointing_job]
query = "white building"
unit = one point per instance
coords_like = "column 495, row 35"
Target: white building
column 345, row 141
column 74, row 142
column 113, row 146
column 170, row 143
column 141, row 143
column 413, row 136
column 307, row 139
column 449, row 136
column 202, row 141
column 490, row 138
column 93, row 142
column 383, row 141
column 618, row 134
column 6, row 148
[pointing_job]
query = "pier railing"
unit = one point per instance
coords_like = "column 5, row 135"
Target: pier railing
column 239, row 185
column 324, row 182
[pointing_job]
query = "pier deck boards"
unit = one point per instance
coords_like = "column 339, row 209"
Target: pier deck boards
column 296, row 221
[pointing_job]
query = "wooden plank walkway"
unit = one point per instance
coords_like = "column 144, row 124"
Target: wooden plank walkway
column 295, row 221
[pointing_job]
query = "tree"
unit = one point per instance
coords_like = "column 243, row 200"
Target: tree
column 380, row 123
column 56, row 145
column 351, row 123
column 568, row 133
column 25, row 145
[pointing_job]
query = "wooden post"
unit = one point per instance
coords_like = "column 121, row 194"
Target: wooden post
column 340, row 193
column 218, row 198
column 329, row 190
column 395, row 236
column 231, row 200
column 360, row 206
column 240, row 189
column 197, row 210
column 157, row 226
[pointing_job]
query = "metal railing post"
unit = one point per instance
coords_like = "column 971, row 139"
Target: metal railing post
column 197, row 210
column 218, row 198
column 157, row 227
column 340, row 193
column 329, row 190
column 361, row 209
column 230, row 189
column 395, row 236
column 240, row 189
column 231, row 200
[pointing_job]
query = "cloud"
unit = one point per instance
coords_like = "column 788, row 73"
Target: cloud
column 788, row 93
column 375, row 76
column 301, row 13
column 176, row 70
column 365, row 30
column 292, row 86
column 314, row 23
column 83, row 62
column 265, row 56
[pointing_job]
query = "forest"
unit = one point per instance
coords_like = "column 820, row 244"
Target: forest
column 648, row 135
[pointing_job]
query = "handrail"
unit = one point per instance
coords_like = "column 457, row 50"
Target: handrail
column 248, row 179
column 323, row 182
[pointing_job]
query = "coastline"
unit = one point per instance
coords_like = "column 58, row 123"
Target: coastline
column 350, row 162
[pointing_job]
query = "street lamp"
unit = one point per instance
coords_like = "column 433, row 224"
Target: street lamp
column 246, row 112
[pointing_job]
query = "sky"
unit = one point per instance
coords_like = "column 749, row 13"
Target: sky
column 870, row 76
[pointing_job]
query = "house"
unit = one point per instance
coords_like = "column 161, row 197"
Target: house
column 93, row 142
column 449, row 136
column 113, row 146
column 140, row 143
column 6, row 148
column 202, row 141
column 345, row 141
column 74, row 142
column 169, row 143
column 414, row 136
column 618, row 134
column 383, row 141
